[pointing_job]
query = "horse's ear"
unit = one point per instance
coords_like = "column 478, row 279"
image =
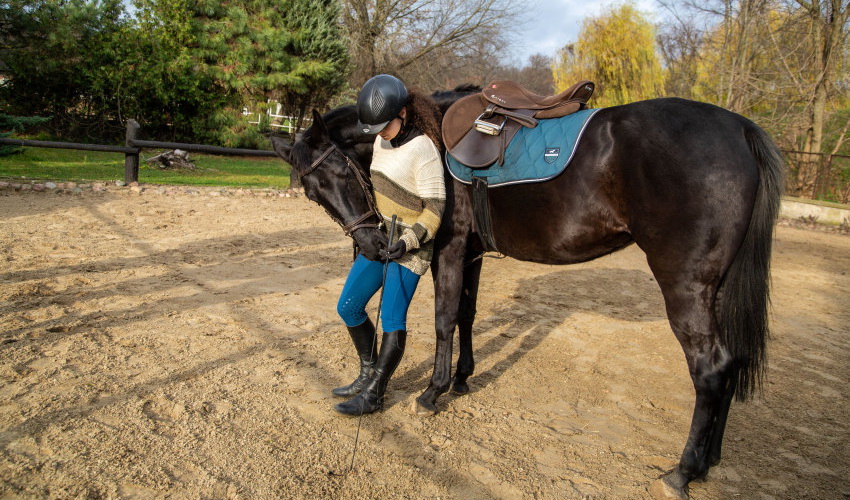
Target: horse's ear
column 282, row 147
column 320, row 130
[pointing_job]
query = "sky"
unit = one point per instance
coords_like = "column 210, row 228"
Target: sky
column 551, row 24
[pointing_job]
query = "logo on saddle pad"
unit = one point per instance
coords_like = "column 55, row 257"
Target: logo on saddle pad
column 551, row 154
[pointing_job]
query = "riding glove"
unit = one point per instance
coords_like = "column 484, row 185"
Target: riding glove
column 394, row 251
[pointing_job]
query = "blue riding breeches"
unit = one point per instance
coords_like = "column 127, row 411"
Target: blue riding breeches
column 364, row 280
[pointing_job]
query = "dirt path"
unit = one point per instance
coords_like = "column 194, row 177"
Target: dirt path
column 184, row 345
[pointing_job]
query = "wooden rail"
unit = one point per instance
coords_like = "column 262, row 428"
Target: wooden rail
column 134, row 146
column 66, row 145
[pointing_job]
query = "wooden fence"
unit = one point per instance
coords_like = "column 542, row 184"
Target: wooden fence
column 133, row 147
column 820, row 176
column 830, row 179
column 286, row 122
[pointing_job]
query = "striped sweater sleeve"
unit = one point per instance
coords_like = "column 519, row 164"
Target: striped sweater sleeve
column 431, row 189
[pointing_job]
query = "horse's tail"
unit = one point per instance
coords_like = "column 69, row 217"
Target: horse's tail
column 744, row 299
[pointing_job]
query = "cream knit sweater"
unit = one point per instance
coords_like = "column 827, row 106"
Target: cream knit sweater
column 408, row 182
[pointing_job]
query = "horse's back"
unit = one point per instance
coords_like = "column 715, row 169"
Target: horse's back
column 652, row 172
column 678, row 134
column 688, row 178
column 674, row 154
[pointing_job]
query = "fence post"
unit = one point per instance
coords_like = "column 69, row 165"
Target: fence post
column 131, row 160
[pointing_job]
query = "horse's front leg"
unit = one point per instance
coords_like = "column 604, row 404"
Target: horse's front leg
column 447, row 270
column 466, row 317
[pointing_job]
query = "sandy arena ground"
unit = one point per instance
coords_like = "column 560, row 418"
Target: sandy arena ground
column 183, row 345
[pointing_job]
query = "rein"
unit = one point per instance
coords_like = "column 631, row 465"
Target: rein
column 358, row 222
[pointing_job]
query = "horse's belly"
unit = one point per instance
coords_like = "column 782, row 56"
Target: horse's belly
column 541, row 234
column 580, row 248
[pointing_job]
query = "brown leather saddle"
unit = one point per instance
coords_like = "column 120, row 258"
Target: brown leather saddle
column 478, row 128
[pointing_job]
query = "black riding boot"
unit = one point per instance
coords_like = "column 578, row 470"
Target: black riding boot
column 372, row 397
column 363, row 336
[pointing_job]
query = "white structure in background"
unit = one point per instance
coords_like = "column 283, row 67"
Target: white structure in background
column 286, row 122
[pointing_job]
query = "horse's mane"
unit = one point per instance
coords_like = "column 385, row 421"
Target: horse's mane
column 341, row 123
column 300, row 154
column 343, row 117
column 342, row 113
column 467, row 87
column 445, row 98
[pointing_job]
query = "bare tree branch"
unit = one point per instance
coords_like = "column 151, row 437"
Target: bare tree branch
column 398, row 36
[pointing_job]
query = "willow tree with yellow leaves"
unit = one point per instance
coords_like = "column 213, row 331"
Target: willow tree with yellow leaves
column 617, row 52
column 782, row 63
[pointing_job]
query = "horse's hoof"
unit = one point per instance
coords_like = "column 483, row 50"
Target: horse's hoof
column 424, row 409
column 665, row 487
column 460, row 388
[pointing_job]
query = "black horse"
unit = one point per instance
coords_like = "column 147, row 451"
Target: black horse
column 695, row 186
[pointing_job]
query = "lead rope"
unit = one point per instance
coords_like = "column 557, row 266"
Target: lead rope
column 374, row 341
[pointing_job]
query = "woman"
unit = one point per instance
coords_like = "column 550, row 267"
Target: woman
column 407, row 177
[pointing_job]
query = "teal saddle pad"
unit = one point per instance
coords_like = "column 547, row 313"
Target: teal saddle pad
column 534, row 155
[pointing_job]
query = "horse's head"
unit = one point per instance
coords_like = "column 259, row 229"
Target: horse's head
column 337, row 181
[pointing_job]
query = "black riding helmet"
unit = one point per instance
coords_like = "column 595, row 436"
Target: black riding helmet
column 379, row 102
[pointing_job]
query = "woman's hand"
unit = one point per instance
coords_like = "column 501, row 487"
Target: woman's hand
column 394, row 251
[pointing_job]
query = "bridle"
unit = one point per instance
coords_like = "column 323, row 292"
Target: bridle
column 360, row 221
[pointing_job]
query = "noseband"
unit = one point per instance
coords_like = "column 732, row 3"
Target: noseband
column 358, row 222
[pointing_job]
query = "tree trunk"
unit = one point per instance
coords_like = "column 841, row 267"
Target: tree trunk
column 827, row 29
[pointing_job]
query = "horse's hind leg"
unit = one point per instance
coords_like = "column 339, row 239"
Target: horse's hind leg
column 466, row 317
column 689, row 308
column 716, row 445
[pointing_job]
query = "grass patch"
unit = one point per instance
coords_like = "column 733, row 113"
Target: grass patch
column 82, row 166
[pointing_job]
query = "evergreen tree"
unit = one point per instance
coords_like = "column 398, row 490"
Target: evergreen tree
column 50, row 52
column 15, row 124
column 320, row 69
column 184, row 69
column 163, row 85
column 290, row 51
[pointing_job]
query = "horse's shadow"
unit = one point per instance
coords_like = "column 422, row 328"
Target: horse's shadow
column 537, row 307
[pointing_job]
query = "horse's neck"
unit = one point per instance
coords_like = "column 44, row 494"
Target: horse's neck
column 358, row 147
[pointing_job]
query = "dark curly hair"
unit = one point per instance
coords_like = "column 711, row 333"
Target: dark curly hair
column 426, row 116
